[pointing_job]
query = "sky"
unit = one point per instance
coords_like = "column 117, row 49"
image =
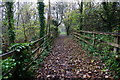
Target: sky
column 46, row 1
column 52, row 1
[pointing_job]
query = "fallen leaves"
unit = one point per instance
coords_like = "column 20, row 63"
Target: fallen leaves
column 67, row 60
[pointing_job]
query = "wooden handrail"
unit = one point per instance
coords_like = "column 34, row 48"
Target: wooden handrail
column 6, row 55
column 82, row 35
column 102, row 33
column 83, row 40
column 34, row 42
column 111, row 44
column 41, row 50
column 40, row 46
column 10, row 53
column 35, row 58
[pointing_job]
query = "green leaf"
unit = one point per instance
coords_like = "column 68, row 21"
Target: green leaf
column 18, row 50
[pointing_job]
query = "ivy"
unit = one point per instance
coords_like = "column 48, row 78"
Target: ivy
column 41, row 18
column 18, row 62
column 7, row 65
column 20, row 46
column 10, row 21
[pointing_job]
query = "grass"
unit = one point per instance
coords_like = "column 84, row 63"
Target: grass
column 62, row 33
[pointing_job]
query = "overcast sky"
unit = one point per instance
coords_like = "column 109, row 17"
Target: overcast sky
column 46, row 1
column 52, row 1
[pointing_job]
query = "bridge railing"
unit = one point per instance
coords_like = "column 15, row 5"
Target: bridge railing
column 90, row 37
column 36, row 49
column 11, row 53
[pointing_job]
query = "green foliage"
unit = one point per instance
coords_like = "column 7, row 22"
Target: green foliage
column 55, row 23
column 7, row 65
column 109, row 13
column 104, row 53
column 113, row 65
column 20, row 46
column 71, row 21
column 18, row 61
column 54, row 30
column 22, row 58
column 32, row 33
column 94, row 17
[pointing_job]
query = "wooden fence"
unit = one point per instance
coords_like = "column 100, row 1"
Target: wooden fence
column 115, row 44
column 37, row 50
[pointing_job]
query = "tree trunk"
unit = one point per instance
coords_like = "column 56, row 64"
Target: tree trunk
column 81, row 11
column 10, row 24
column 41, row 19
column 68, row 30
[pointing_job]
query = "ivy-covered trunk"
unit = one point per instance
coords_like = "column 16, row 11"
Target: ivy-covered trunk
column 41, row 18
column 10, row 21
column 81, row 17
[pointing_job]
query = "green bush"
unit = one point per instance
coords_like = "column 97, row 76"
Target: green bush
column 7, row 65
column 17, row 62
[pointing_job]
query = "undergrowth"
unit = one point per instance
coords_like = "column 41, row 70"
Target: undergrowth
column 103, row 52
column 15, row 67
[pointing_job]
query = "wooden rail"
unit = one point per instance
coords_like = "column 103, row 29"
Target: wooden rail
column 38, row 55
column 35, row 52
column 111, row 44
column 10, row 53
column 82, row 39
column 115, row 44
column 102, row 33
column 34, row 42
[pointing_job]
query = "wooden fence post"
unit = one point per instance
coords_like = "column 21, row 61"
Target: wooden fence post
column 117, row 40
column 94, row 39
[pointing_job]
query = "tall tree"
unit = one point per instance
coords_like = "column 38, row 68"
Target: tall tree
column 18, row 5
column 10, row 21
column 41, row 18
column 58, row 14
column 108, row 16
column 81, row 12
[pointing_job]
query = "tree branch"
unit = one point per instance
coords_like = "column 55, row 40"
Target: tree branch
column 102, row 17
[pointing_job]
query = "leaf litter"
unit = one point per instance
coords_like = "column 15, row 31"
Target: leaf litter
column 68, row 61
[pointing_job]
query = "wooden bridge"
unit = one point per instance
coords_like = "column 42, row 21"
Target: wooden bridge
column 66, row 59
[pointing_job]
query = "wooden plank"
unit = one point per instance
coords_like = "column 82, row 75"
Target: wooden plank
column 34, row 51
column 82, row 40
column 26, row 68
column 102, row 33
column 111, row 44
column 117, row 40
column 9, row 54
column 6, row 55
column 34, row 42
column 82, row 35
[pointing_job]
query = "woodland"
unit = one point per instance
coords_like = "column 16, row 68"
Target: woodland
column 60, row 40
